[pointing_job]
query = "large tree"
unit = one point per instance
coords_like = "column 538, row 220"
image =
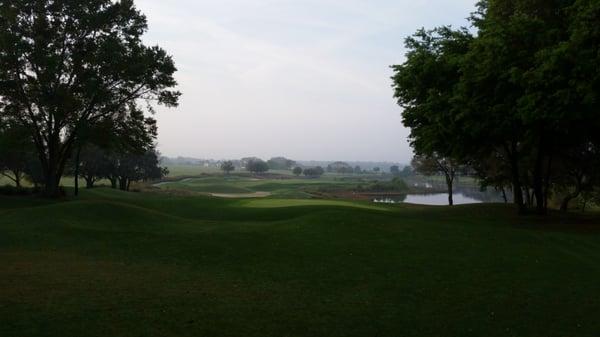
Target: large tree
column 504, row 96
column 506, row 99
column 425, row 86
column 67, row 64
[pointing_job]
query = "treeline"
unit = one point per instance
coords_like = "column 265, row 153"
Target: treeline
column 515, row 99
column 258, row 166
column 75, row 80
column 121, row 151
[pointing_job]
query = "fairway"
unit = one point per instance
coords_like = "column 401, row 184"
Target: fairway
column 274, row 203
column 284, row 186
column 135, row 264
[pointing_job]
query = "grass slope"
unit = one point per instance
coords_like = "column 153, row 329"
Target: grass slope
column 118, row 264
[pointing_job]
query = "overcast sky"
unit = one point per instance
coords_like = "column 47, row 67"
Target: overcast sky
column 307, row 79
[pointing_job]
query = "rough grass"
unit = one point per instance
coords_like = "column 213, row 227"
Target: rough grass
column 131, row 264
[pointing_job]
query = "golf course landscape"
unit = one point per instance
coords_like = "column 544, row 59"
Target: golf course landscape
column 261, row 168
column 158, row 264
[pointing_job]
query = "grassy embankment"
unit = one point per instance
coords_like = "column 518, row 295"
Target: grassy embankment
column 119, row 264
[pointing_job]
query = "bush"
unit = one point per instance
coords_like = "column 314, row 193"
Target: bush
column 10, row 190
column 396, row 185
column 314, row 172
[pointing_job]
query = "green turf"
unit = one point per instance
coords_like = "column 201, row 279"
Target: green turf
column 132, row 264
column 286, row 188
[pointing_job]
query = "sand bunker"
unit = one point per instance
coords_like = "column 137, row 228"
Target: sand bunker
column 241, row 195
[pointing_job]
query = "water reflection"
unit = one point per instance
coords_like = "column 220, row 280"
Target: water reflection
column 461, row 197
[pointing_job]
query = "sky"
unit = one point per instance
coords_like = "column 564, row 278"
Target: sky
column 306, row 79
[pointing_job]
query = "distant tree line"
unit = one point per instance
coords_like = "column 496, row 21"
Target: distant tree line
column 516, row 101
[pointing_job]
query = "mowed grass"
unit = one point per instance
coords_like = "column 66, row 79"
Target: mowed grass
column 288, row 188
column 133, row 264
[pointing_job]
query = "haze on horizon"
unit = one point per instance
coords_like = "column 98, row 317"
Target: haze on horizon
column 307, row 79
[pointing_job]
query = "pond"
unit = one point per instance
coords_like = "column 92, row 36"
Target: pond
column 441, row 199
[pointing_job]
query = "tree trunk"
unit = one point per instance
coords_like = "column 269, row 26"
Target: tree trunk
column 113, row 182
column 123, row 183
column 89, row 182
column 516, row 181
column 52, row 183
column 528, row 196
column 547, row 180
column 564, row 206
column 504, row 195
column 54, row 167
column 17, row 178
column 77, row 155
column 538, row 183
column 449, row 183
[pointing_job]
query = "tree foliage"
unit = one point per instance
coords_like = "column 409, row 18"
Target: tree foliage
column 66, row 65
column 227, row 167
column 506, row 98
column 297, row 171
column 257, row 166
column 314, row 172
column 280, row 163
column 436, row 165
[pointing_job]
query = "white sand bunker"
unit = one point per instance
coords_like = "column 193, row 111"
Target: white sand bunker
column 241, row 195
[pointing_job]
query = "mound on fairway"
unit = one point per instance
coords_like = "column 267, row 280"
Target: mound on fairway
column 135, row 264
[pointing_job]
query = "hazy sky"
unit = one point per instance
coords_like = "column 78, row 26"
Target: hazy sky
column 308, row 79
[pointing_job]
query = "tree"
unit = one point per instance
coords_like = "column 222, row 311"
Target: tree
column 227, row 167
column 121, row 149
column 434, row 165
column 65, row 65
column 133, row 167
column 494, row 171
column 395, row 170
column 314, row 172
column 506, row 98
column 340, row 167
column 16, row 150
column 257, row 166
column 425, row 86
column 357, row 170
column 407, row 171
column 297, row 171
column 280, row 163
column 377, row 169
column 94, row 164
column 577, row 172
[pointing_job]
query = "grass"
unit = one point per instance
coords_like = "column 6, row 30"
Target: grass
column 287, row 188
column 136, row 264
